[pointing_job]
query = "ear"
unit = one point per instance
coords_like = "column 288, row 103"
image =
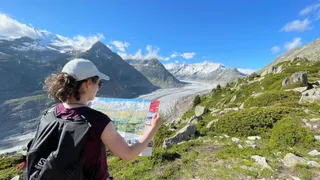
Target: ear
column 89, row 83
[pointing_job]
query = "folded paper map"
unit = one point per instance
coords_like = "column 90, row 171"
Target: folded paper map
column 131, row 117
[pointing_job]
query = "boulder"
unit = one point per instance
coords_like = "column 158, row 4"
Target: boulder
column 300, row 77
column 314, row 153
column 290, row 160
column 180, row 136
column 285, row 82
column 200, row 110
column 211, row 123
column 310, row 96
column 236, row 140
column 313, row 164
column 317, row 138
column 261, row 161
column 279, row 69
column 270, row 70
column 254, row 138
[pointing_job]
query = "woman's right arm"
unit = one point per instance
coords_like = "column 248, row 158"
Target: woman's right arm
column 116, row 144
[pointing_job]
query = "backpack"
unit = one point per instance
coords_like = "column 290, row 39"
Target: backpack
column 56, row 151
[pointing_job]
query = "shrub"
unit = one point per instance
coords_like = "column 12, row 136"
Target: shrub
column 8, row 167
column 251, row 122
column 274, row 98
column 196, row 100
column 160, row 156
column 218, row 87
column 288, row 132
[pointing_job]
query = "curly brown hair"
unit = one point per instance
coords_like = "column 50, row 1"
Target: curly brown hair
column 62, row 86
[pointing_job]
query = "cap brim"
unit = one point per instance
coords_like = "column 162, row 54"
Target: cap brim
column 103, row 76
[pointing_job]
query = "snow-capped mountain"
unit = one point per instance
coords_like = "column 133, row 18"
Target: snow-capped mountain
column 205, row 71
column 154, row 70
column 246, row 71
column 43, row 40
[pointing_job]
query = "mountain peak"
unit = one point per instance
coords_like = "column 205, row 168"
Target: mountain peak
column 99, row 46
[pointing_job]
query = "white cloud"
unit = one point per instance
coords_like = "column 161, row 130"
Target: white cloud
column 137, row 55
column 311, row 8
column 275, row 49
column 13, row 29
column 246, row 71
column 174, row 55
column 78, row 42
column 165, row 58
column 292, row 44
column 188, row 55
column 176, row 61
column 297, row 25
column 204, row 57
column 152, row 52
column 121, row 46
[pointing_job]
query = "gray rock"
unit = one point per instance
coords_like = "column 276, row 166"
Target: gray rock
column 233, row 98
column 290, row 160
column 279, row 69
column 300, row 77
column 200, row 110
column 236, row 140
column 182, row 135
column 317, row 138
column 254, row 138
column 285, row 82
column 250, row 142
column 313, row 164
column 211, row 123
column 228, row 110
column 261, row 161
column 270, row 70
column 315, row 119
column 314, row 153
column 256, row 95
column 241, row 106
column 240, row 146
column 310, row 96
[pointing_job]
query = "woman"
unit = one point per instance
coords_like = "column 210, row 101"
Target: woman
column 73, row 89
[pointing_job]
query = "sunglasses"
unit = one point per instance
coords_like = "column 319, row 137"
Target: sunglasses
column 100, row 83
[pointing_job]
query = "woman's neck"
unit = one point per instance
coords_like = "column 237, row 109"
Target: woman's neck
column 73, row 103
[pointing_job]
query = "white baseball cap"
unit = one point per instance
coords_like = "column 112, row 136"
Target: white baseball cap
column 82, row 69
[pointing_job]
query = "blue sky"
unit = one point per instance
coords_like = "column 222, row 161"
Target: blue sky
column 242, row 34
